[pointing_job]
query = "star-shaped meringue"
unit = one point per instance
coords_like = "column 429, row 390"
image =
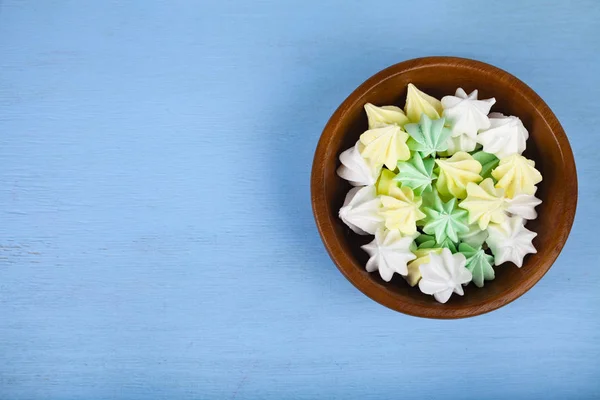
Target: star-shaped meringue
column 416, row 173
column 505, row 137
column 488, row 162
column 386, row 115
column 422, row 257
column 361, row 210
column 444, row 274
column 485, row 203
column 474, row 237
column 428, row 136
column 386, row 182
column 479, row 263
column 523, row 205
column 510, row 241
column 465, row 114
column 445, row 220
column 355, row 168
column 389, row 252
column 401, row 210
column 460, row 143
column 385, row 146
column 418, row 103
column 455, row 173
column 516, row 175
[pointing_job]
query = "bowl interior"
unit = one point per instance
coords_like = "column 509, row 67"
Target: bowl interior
column 547, row 145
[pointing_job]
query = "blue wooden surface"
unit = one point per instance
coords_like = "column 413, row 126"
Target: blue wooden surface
column 156, row 235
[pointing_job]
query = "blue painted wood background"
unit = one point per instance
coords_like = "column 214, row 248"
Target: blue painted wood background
column 156, row 234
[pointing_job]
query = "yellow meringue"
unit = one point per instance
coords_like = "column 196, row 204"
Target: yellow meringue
column 401, row 210
column 385, row 146
column 418, row 102
column 485, row 203
column 455, row 173
column 517, row 175
column 385, row 115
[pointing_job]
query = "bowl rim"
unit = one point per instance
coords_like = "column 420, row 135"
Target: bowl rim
column 347, row 265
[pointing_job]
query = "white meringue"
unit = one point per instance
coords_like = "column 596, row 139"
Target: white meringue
column 389, row 252
column 466, row 114
column 355, row 168
column 523, row 205
column 506, row 136
column 461, row 143
column 444, row 274
column 385, row 115
column 510, row 241
column 361, row 210
column 475, row 237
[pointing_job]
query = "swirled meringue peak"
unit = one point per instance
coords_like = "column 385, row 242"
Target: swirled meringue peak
column 385, row 115
column 355, row 168
column 465, row 114
column 389, row 253
column 506, row 136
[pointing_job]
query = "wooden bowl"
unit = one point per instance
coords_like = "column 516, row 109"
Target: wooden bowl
column 440, row 76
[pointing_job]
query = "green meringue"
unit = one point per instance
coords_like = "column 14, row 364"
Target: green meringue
column 448, row 244
column 386, row 182
column 416, row 173
column 445, row 219
column 479, row 263
column 488, row 162
column 428, row 136
column 425, row 241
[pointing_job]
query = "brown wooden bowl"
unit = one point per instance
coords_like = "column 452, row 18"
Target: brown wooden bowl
column 547, row 145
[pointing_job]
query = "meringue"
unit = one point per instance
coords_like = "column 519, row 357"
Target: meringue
column 447, row 244
column 460, row 143
column 361, row 210
column 444, row 189
column 386, row 182
column 355, row 169
column 428, row 242
column 466, row 114
column 389, row 252
column 474, row 237
column 425, row 241
column 416, row 173
column 488, row 162
column 517, row 175
column 510, row 241
column 418, row 102
column 422, row 257
column 385, row 146
column 506, row 136
column 479, row 263
column 428, row 136
column 444, row 274
column 386, row 115
column 523, row 205
column 455, row 173
column 401, row 210
column 445, row 220
column 485, row 203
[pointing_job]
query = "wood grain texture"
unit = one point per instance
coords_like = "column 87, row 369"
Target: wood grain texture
column 548, row 146
column 156, row 228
